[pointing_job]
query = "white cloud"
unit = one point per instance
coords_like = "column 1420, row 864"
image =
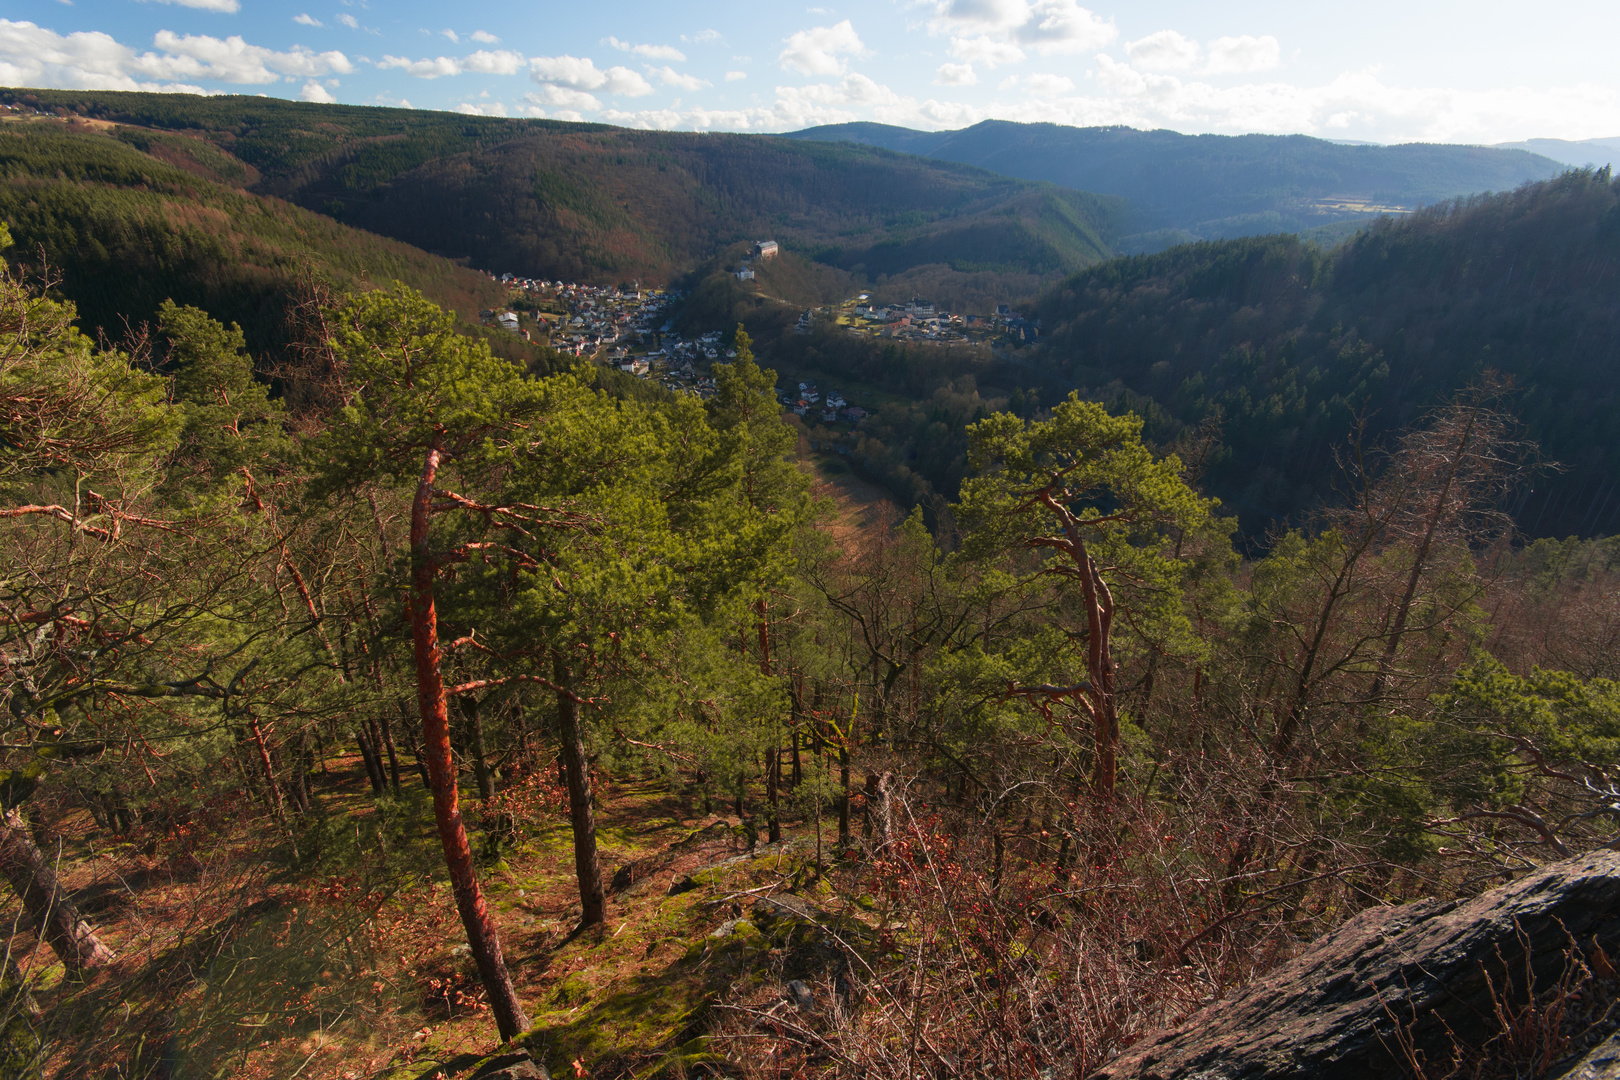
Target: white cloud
column 577, row 73
column 670, row 77
column 30, row 55
column 350, row 21
column 452, row 35
column 307, row 20
column 1049, row 86
column 496, row 62
column 229, row 7
column 314, row 91
column 1354, row 105
column 469, row 109
column 560, row 97
column 956, row 75
column 422, row 69
column 1062, row 26
column 1243, row 54
column 1163, row 51
column 1047, row 26
column 735, row 76
column 482, row 62
column 233, row 60
column 703, row 37
column 817, row 51
column 985, row 50
column 484, row 37
column 651, row 52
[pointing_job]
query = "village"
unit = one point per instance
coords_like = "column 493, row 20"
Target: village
column 632, row 329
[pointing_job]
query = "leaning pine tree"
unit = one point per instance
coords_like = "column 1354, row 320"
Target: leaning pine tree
column 433, row 409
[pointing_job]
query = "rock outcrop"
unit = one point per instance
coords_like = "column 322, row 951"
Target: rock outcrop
column 1417, row 984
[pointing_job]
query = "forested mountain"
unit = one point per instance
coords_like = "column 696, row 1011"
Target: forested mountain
column 433, row 710
column 1189, row 187
column 1288, row 345
column 126, row 219
column 1288, row 349
column 1577, row 152
column 422, row 704
column 589, row 202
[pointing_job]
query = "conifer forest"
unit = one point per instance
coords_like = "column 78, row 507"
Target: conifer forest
column 380, row 692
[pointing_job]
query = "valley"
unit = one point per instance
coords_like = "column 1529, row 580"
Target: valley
column 488, row 598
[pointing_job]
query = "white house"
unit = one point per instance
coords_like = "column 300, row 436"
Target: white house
column 745, row 274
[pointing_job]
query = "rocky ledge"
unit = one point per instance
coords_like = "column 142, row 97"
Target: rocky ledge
column 1519, row 981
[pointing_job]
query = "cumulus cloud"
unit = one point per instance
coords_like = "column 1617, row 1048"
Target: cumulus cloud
column 1356, row 105
column 492, row 109
column 956, row 75
column 703, row 37
column 1163, row 51
column 670, row 77
column 422, row 69
column 307, row 20
column 484, row 37
column 30, row 55
column 350, row 21
column 569, row 102
column 651, row 52
column 233, row 60
column 314, row 91
column 581, row 73
column 452, row 35
column 734, row 76
column 820, row 50
column 482, row 62
column 990, row 52
column 1048, row 86
column 1046, row 26
column 33, row 56
column 229, row 7
column 494, row 62
column 1243, row 54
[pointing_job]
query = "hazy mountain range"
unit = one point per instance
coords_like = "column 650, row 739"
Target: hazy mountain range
column 1190, row 187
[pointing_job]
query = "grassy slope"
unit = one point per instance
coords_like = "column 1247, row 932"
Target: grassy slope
column 125, row 229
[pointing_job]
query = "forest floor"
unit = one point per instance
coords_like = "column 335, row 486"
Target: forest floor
column 347, row 960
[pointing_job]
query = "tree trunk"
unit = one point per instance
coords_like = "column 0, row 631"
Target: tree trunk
column 272, row 788
column 480, row 763
column 773, row 782
column 843, row 796
column 482, row 938
column 592, row 898
column 368, row 756
column 34, row 880
column 388, row 744
column 773, row 757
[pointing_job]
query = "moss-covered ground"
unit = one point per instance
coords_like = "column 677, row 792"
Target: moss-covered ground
column 333, row 949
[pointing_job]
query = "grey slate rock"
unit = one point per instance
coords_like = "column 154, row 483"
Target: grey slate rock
column 1326, row 1014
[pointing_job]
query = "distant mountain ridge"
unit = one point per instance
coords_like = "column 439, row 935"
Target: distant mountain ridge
column 588, row 202
column 1575, row 152
column 1182, row 188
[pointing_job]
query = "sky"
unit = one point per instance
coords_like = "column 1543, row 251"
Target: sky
column 1382, row 71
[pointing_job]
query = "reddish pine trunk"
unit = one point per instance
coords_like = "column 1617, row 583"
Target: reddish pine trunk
column 34, row 880
column 482, row 937
column 271, row 786
column 587, row 868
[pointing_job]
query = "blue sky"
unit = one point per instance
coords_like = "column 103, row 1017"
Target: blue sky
column 1378, row 70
